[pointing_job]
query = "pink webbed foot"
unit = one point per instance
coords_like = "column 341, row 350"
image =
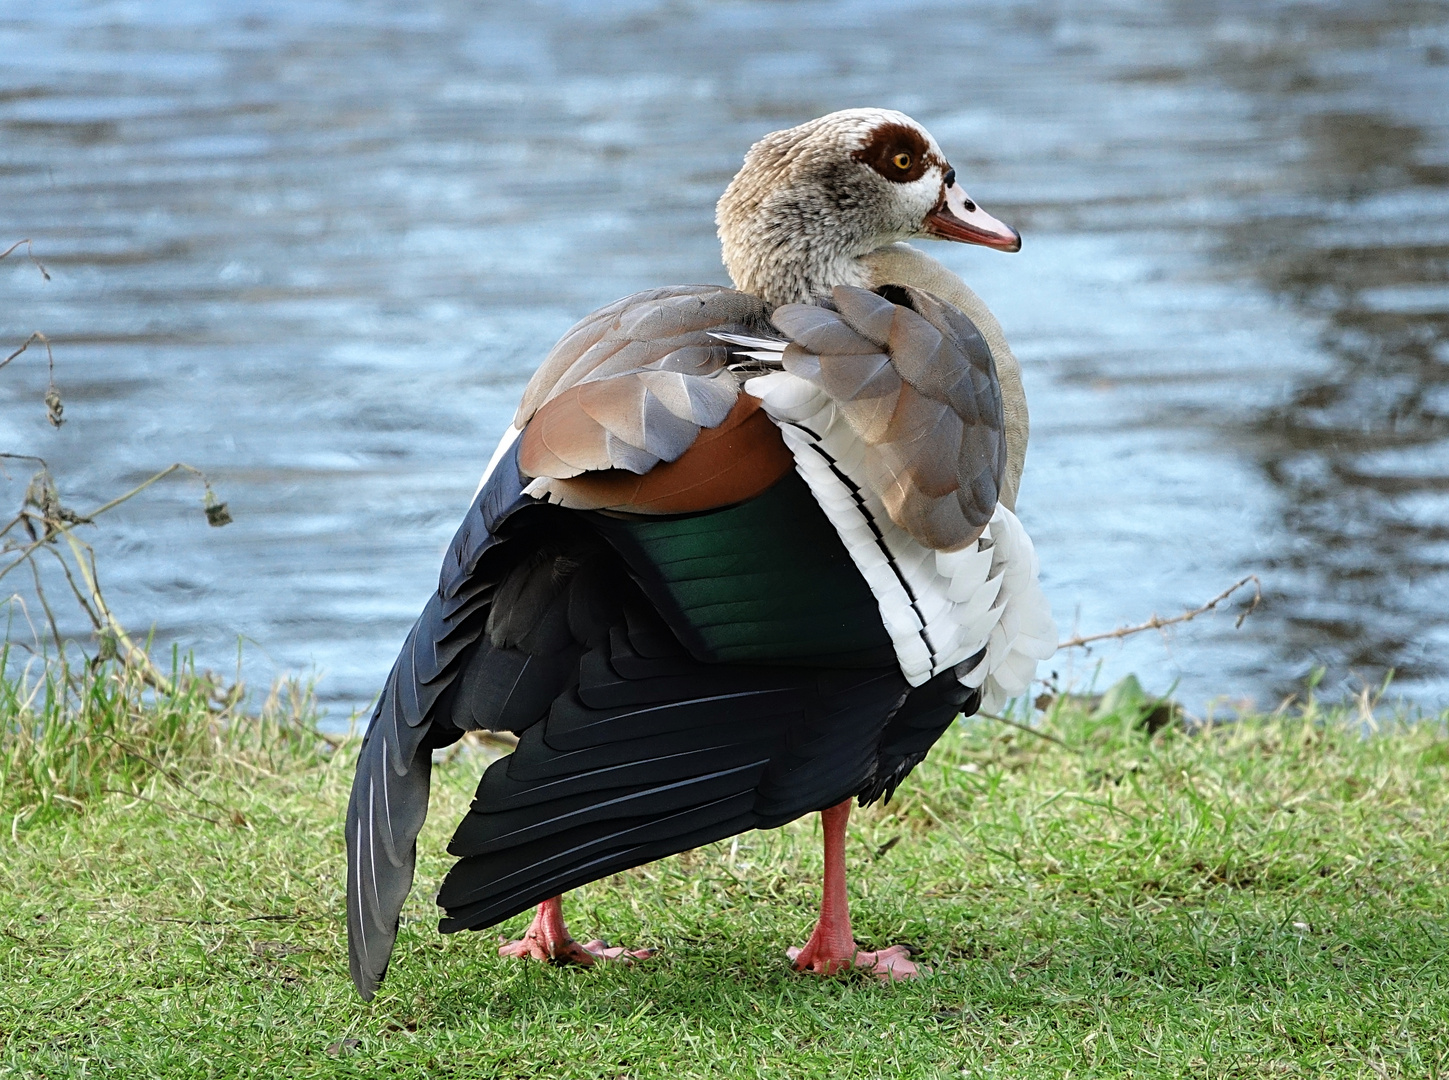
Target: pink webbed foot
column 832, row 947
column 570, row 951
column 548, row 939
column 892, row 964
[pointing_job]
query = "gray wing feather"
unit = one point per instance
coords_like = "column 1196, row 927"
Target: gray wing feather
column 689, row 398
column 870, row 313
column 646, row 373
column 917, row 384
column 624, row 455
column 820, row 330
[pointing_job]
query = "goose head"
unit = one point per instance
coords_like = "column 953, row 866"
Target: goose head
column 811, row 200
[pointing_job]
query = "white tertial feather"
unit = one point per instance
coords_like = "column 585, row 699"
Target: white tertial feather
column 771, row 345
column 765, row 350
column 940, row 608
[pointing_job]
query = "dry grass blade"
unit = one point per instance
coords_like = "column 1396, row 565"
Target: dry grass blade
column 157, row 802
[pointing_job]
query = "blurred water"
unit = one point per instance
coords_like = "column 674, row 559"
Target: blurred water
column 316, row 248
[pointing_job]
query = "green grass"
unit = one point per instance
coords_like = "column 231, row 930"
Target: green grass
column 72, row 733
column 1267, row 899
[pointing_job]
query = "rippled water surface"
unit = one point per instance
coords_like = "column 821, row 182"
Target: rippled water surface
column 316, row 249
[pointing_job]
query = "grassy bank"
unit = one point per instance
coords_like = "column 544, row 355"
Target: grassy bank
column 1265, row 900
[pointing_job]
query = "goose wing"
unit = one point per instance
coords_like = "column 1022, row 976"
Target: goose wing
column 890, row 405
column 632, row 386
column 418, row 711
column 668, row 690
column 915, row 382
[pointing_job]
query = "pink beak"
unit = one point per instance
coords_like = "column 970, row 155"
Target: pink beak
column 960, row 219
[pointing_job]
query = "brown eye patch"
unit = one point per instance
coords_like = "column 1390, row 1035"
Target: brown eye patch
column 898, row 152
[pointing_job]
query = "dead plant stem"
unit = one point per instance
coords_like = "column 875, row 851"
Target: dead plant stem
column 1157, row 623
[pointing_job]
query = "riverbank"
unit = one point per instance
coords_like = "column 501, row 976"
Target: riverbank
column 1267, row 899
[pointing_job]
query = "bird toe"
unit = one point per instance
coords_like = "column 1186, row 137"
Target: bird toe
column 892, row 964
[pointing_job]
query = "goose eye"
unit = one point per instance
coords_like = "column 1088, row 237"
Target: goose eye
column 901, row 161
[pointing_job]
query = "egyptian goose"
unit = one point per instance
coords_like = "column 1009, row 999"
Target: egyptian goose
column 744, row 554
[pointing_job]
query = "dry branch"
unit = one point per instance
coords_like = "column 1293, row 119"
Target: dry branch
column 54, row 407
column 1048, row 736
column 31, row 340
column 29, row 251
column 1157, row 623
column 45, row 521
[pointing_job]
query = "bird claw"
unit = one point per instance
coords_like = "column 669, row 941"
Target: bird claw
column 891, row 964
column 602, row 950
column 568, row 951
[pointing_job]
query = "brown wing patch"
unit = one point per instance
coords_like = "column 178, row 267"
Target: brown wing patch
column 634, row 383
column 562, row 439
column 727, row 464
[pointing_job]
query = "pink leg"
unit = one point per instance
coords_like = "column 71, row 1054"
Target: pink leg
column 547, row 938
column 832, row 947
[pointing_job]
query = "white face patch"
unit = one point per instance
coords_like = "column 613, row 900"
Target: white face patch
column 918, row 198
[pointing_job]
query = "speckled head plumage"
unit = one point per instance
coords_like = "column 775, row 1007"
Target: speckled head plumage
column 811, row 200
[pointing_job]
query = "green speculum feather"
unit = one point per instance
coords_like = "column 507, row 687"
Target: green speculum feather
column 765, row 581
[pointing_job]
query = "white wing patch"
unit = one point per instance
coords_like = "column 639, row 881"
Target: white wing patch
column 940, row 608
column 504, row 444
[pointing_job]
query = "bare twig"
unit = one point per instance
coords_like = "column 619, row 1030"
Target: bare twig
column 215, row 511
column 29, row 250
column 75, row 589
column 163, row 805
column 54, row 408
column 1157, row 623
column 1030, row 731
column 31, row 340
column 133, row 655
column 25, row 553
column 45, row 607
